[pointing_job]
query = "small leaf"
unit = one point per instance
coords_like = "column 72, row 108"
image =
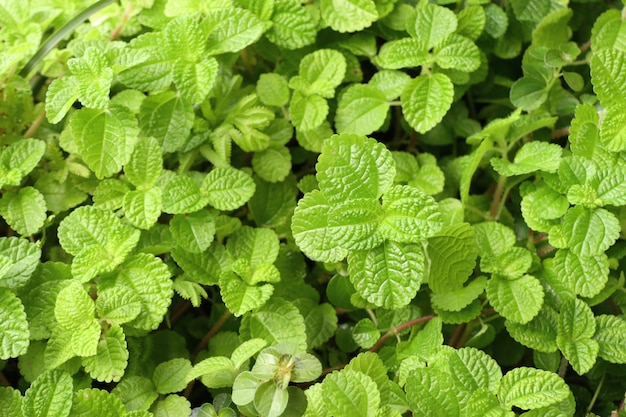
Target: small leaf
column 586, row 275
column 528, row 93
column 20, row 260
column 93, row 78
column 590, row 231
column 214, row 372
column 146, row 163
column 539, row 333
column 10, row 402
column 388, row 275
column 457, row 52
column 458, row 299
column 277, row 321
column 142, row 207
column 272, row 164
column 167, row 118
column 118, row 305
column 24, row 210
column 194, row 232
column 307, row 112
column 611, row 337
column 22, row 156
column 362, row 110
column 533, row 156
column 240, row 297
column 136, row 392
column 60, row 96
column 518, row 300
column 320, row 72
column 349, row 15
column 576, row 327
column 171, row 376
column 14, row 334
column 431, row 392
column 293, row 26
column 531, row 388
column 228, row 188
column 472, row 369
column 232, row 29
column 93, row 402
column 111, row 358
column 365, row 333
column 181, row 194
column 272, row 89
column 432, row 24
column 426, row 99
column 347, row 393
column 403, row 53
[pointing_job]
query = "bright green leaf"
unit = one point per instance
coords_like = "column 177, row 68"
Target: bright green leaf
column 14, row 334
column 531, row 388
column 426, row 99
column 24, row 210
column 50, row 395
column 362, row 109
column 518, row 300
column 111, row 358
column 167, row 118
column 349, row 15
column 432, row 23
column 347, row 393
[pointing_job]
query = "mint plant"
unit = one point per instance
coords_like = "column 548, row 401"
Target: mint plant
column 341, row 208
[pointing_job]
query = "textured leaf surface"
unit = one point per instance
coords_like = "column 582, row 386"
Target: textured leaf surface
column 539, row 333
column 518, row 300
column 576, row 328
column 426, row 99
column 533, row 156
column 111, row 358
column 586, row 275
column 353, row 166
column 347, row 393
column 228, row 188
column 94, row 76
column 459, row 53
column 272, row 164
column 611, row 337
column 472, row 369
column 171, row 376
column 181, row 194
column 49, row 395
column 608, row 75
column 293, row 27
column 403, row 53
column 146, row 163
column 167, row 118
column 277, row 321
column 432, row 24
column 93, row 402
column 307, row 112
column 389, row 275
column 241, row 297
column 20, row 258
column 10, row 402
column 194, row 232
column 143, row 207
column 459, row 298
column 24, row 210
column 349, row 15
column 233, row 29
column 452, row 256
column 14, row 334
column 431, row 392
column 362, row 109
column 590, row 231
column 531, row 388
column 320, row 72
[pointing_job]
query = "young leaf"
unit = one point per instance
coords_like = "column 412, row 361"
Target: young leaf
column 539, row 333
column 457, row 52
column 167, row 118
column 14, row 334
column 388, row 275
column 353, row 166
column 518, row 300
column 232, row 29
column 181, row 194
column 19, row 260
column 24, row 210
column 611, row 336
column 111, row 358
column 60, row 96
column 171, row 376
column 426, row 99
column 609, row 81
column 194, row 232
column 590, row 231
column 272, row 164
column 365, row 333
column 459, row 298
column 241, row 297
column 93, row 78
column 20, row 158
column 349, row 15
column 452, row 256
column 403, row 53
column 49, row 395
column 146, row 163
column 272, row 89
column 228, row 188
column 362, row 109
column 92, row 402
column 531, row 388
column 142, row 207
column 431, row 24
column 214, row 372
column 533, row 156
column 308, row 112
column 293, row 26
column 206, row 267
column 576, row 328
column 350, row 392
column 431, row 392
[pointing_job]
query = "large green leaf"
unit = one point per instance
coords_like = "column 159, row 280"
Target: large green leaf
column 50, row 395
column 426, row 99
column 611, row 337
column 293, row 26
column 452, row 256
column 111, row 358
column 362, row 109
column 14, row 334
column 228, row 188
column 531, row 388
column 348, row 393
column 18, row 258
column 518, row 300
column 590, row 232
column 431, row 392
column 232, row 29
column 576, row 328
column 431, row 24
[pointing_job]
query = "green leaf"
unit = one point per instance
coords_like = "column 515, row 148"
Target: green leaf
column 92, row 402
column 452, row 256
column 214, row 372
column 484, row 403
column 74, row 311
column 365, row 333
column 533, row 156
column 352, row 166
column 60, row 96
column 472, row 369
column 293, row 26
column 256, row 245
column 272, row 164
column 172, row 406
column 272, row 89
column 518, row 300
column 531, row 388
column 613, row 128
column 611, row 337
column 109, row 194
column 23, row 257
column 21, row 157
column 93, row 78
column 195, row 79
column 104, row 139
column 349, row 15
column 181, row 194
column 403, row 53
column 118, row 305
column 388, row 275
column 50, row 395
column 390, row 82
column 471, row 22
column 348, row 393
column 528, row 93
column 539, row 333
column 277, row 321
column 320, row 72
column 241, row 297
column 307, row 112
column 111, row 358
column 194, row 232
column 146, row 163
column 136, row 392
column 204, row 268
column 431, row 24
column 14, row 334
column 24, row 210
column 273, row 203
column 576, row 328
column 10, row 402
column 362, row 110
column 459, row 298
column 590, row 232
column 320, row 321
column 608, row 76
column 168, row 118
column 426, row 99
column 246, row 350
column 457, row 52
column 510, row 264
column 586, row 275
column 431, row 392
column 171, row 376
column 353, row 224
column 232, row 29
column 311, row 232
column 142, row 208
column 270, row 400
column 149, row 278
column 228, row 188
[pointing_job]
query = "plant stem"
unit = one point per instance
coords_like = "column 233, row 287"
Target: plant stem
column 398, row 329
column 4, row 381
column 595, row 394
column 563, row 367
column 216, row 327
column 123, row 21
column 36, row 124
column 60, row 34
column 456, row 335
column 497, row 196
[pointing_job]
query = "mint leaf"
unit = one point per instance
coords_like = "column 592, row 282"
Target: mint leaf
column 111, row 358
column 20, row 258
column 459, row 298
column 349, row 15
column 171, row 376
column 104, row 138
column 272, row 164
column 574, row 338
column 590, row 231
column 205, row 267
column 533, row 156
column 181, row 194
column 136, row 392
column 168, row 118
column 531, row 388
column 347, row 392
column 307, row 112
column 452, row 255
column 430, row 390
column 142, row 207
column 93, row 78
column 457, row 52
column 11, row 402
column 472, row 369
column 431, row 24
column 60, row 96
column 586, row 275
column 92, row 402
column 24, row 210
column 194, row 232
column 145, row 165
column 273, row 89
column 20, row 158
column 610, row 335
column 426, row 99
column 118, row 305
column 228, row 188
column 518, row 300
column 388, row 275
column 320, row 73
column 293, row 26
column 14, row 334
column 232, row 29
column 353, row 166
column 362, row 109
column 403, row 53
column 539, row 333
column 241, row 297
column 607, row 76
column 49, row 395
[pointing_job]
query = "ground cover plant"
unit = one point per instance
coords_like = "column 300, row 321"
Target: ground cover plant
column 350, row 208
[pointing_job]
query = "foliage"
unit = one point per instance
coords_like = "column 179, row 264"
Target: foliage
column 312, row 208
